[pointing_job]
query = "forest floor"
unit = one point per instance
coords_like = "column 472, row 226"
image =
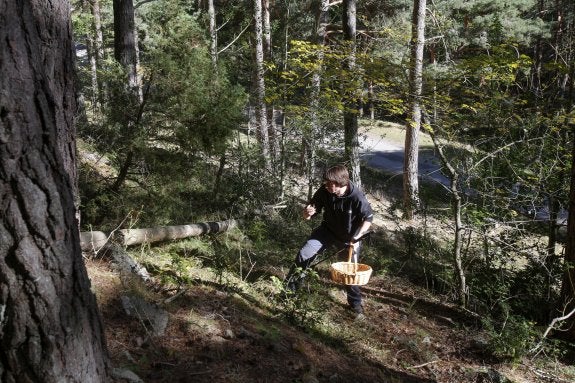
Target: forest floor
column 235, row 331
column 218, row 334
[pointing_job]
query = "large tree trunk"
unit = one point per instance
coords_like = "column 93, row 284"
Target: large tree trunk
column 410, row 165
column 50, row 330
column 352, row 102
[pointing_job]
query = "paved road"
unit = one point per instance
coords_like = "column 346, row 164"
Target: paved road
column 382, row 154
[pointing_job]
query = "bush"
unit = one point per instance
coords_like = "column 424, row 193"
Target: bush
column 513, row 340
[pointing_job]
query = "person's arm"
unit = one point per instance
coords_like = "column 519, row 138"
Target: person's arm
column 364, row 228
column 314, row 206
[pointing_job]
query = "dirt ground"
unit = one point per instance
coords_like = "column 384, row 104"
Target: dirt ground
column 218, row 334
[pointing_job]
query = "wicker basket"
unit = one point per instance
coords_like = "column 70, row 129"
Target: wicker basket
column 350, row 273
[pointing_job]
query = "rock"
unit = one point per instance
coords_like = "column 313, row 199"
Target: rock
column 229, row 334
column 146, row 312
column 127, row 375
column 491, row 375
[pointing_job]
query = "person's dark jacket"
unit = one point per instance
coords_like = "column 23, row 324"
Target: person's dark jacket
column 343, row 216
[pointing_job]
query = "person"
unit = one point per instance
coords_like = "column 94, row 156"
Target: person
column 347, row 216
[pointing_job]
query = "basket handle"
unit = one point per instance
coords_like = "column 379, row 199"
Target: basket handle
column 349, row 255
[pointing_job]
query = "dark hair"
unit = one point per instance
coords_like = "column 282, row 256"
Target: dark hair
column 337, row 174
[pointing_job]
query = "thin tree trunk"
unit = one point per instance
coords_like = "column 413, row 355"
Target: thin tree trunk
column 92, row 52
column 310, row 142
column 50, row 327
column 459, row 228
column 260, row 87
column 99, row 40
column 267, row 29
column 213, row 35
column 371, row 103
column 351, row 104
column 410, row 166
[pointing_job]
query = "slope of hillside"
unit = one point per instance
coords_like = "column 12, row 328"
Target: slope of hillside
column 229, row 329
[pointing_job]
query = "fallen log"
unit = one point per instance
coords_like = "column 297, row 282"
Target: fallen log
column 95, row 240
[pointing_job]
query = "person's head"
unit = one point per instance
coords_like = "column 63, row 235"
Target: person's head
column 336, row 179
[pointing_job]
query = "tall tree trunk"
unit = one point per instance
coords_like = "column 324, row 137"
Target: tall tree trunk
column 99, row 36
column 91, row 49
column 274, row 131
column 310, row 144
column 126, row 40
column 267, row 29
column 213, row 34
column 568, row 283
column 352, row 103
column 371, row 103
column 126, row 53
column 410, row 166
column 260, row 87
column 50, row 329
column 99, row 52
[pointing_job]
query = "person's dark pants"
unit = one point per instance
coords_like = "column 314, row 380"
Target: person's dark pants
column 320, row 240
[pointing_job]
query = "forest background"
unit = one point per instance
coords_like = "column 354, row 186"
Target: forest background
column 202, row 111
column 241, row 107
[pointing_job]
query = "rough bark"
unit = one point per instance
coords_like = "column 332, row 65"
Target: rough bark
column 126, row 53
column 125, row 40
column 50, row 330
column 410, row 166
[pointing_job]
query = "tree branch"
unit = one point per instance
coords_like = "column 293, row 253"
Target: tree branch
column 551, row 327
column 234, row 40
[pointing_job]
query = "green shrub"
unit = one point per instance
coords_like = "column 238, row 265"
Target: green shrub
column 512, row 340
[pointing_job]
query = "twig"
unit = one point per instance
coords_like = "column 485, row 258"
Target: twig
column 173, row 297
column 422, row 365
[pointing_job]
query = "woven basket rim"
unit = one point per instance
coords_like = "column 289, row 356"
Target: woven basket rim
column 350, row 273
column 342, row 266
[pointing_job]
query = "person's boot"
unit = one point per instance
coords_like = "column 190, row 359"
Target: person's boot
column 357, row 309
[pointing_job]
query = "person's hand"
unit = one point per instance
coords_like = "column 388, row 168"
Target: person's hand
column 308, row 211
